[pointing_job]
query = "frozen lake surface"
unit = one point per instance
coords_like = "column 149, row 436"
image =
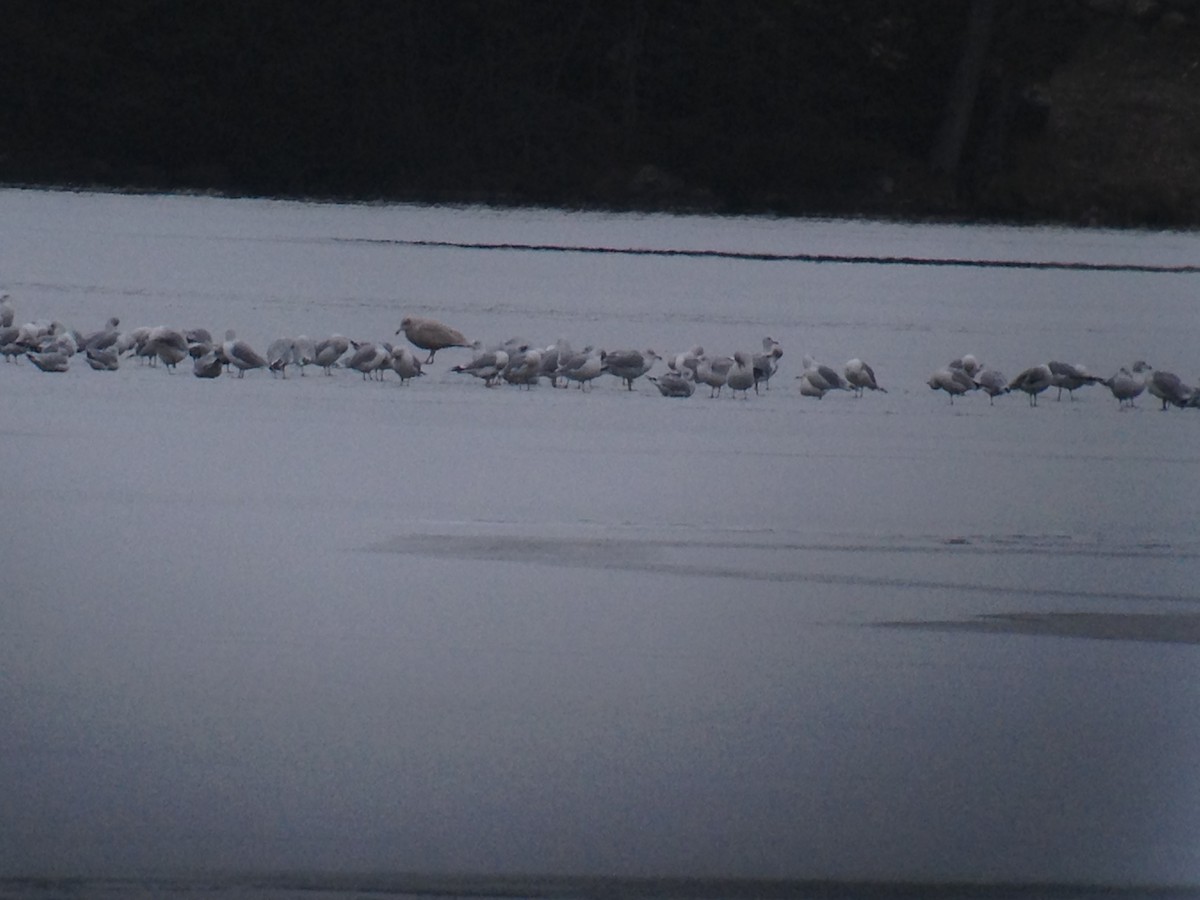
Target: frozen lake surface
column 318, row 624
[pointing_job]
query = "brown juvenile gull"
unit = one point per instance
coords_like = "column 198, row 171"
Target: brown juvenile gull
column 431, row 335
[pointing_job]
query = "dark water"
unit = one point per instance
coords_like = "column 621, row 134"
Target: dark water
column 363, row 887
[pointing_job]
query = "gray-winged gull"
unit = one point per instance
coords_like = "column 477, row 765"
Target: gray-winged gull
column 741, row 374
column 486, row 364
column 673, row 384
column 714, row 372
column 953, row 379
column 861, row 377
column 1068, row 377
column 102, row 359
column 1167, row 387
column 629, row 365
column 1033, row 381
column 330, row 350
column 524, row 368
column 766, row 364
column 49, row 361
column 241, row 355
column 431, row 335
column 281, row 353
column 1127, row 384
column 820, row 378
column 992, row 382
column 405, row 364
column 369, row 358
column 209, row 365
column 582, row 367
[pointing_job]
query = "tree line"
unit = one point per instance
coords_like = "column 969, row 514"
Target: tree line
column 726, row 105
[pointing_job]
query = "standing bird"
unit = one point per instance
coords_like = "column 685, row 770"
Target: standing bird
column 766, row 364
column 431, row 335
column 953, row 379
column 1033, row 381
column 240, row 354
column 861, row 377
column 1127, row 385
column 167, row 344
column 524, row 368
column 583, row 367
column 404, row 364
column 369, row 359
column 714, row 373
column 1167, row 387
column 281, row 353
column 329, row 351
column 629, row 365
column 7, row 313
column 487, row 364
column 1068, row 377
column 993, row 383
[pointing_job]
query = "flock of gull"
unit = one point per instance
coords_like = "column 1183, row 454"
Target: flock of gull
column 50, row 346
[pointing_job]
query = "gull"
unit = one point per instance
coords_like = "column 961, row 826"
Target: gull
column 629, row 365
column 49, row 361
column 673, row 384
column 405, row 364
column 1167, row 387
column 240, row 354
column 7, row 313
column 741, row 374
column 209, row 365
column 329, row 351
column 688, row 359
column 551, row 356
column 1033, row 381
column 1127, row 384
column 304, row 352
column 968, row 363
column 861, row 377
column 766, row 364
column 993, row 383
column 953, row 379
column 281, row 353
column 102, row 359
column 11, row 345
column 168, row 344
column 102, row 339
column 1068, row 377
column 821, row 378
column 524, row 368
column 582, row 367
column 368, row 358
column 487, row 365
column 714, row 373
column 431, row 335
